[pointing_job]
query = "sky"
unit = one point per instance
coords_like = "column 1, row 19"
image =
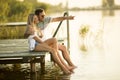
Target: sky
column 77, row 3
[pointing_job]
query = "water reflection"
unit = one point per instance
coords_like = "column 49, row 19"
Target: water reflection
column 108, row 13
column 101, row 60
column 33, row 76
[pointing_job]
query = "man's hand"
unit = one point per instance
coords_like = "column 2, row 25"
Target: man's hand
column 70, row 17
column 62, row 18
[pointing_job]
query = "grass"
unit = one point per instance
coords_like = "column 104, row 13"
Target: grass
column 16, row 32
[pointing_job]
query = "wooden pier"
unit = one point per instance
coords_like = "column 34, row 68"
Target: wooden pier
column 14, row 51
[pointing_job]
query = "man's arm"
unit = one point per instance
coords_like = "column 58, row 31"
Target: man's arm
column 62, row 18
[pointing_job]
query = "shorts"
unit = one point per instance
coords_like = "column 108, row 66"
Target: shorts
column 36, row 43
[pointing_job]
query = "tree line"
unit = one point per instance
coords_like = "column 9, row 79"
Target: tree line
column 17, row 11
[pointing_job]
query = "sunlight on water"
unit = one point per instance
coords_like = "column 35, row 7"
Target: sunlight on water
column 101, row 60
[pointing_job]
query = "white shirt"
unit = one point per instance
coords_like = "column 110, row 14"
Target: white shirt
column 32, row 42
column 42, row 25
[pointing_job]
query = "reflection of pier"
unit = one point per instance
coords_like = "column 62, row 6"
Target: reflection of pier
column 108, row 3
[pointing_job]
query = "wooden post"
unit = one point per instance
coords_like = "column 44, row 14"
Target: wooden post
column 32, row 66
column 42, row 62
column 68, row 36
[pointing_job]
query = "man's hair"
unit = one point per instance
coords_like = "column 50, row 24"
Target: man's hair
column 38, row 11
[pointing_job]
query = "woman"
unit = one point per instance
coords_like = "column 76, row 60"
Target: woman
column 37, row 44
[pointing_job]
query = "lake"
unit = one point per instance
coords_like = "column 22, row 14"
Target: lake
column 101, row 60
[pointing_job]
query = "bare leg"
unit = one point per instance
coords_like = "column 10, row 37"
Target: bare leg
column 66, row 55
column 67, row 66
column 44, row 47
column 52, row 42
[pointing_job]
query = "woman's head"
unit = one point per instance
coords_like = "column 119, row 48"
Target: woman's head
column 32, row 19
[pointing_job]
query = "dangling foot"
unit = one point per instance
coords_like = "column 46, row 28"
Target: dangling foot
column 67, row 72
column 71, row 69
column 74, row 67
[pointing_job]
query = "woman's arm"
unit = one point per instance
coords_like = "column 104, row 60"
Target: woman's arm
column 31, row 30
column 38, row 39
column 40, row 34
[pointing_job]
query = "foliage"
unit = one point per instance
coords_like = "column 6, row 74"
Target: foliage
column 12, row 11
column 12, row 32
column 84, row 30
column 4, row 10
column 16, row 11
column 83, row 47
column 19, row 11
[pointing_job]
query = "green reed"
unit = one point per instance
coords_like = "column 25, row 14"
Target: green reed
column 84, row 29
column 16, row 32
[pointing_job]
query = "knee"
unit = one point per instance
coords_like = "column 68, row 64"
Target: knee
column 54, row 40
column 53, row 51
column 62, row 48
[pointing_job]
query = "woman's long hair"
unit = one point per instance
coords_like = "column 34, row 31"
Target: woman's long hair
column 30, row 20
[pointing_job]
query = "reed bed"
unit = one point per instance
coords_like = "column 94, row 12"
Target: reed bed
column 16, row 32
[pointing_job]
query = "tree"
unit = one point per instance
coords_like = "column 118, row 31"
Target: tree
column 4, row 10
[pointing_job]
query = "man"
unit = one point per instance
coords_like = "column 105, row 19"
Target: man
column 44, row 21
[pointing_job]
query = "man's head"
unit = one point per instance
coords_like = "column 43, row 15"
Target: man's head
column 40, row 13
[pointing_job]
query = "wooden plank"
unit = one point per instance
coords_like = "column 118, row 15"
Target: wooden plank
column 12, row 24
column 32, row 62
column 18, row 60
column 21, row 54
column 16, row 47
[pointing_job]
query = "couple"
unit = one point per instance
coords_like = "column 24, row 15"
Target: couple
column 35, row 25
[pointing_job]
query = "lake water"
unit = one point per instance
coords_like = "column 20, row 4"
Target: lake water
column 101, row 58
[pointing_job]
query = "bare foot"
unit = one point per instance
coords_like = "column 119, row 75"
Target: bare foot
column 74, row 67
column 67, row 72
column 71, row 69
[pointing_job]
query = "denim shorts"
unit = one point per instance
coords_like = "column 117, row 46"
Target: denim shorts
column 36, row 43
